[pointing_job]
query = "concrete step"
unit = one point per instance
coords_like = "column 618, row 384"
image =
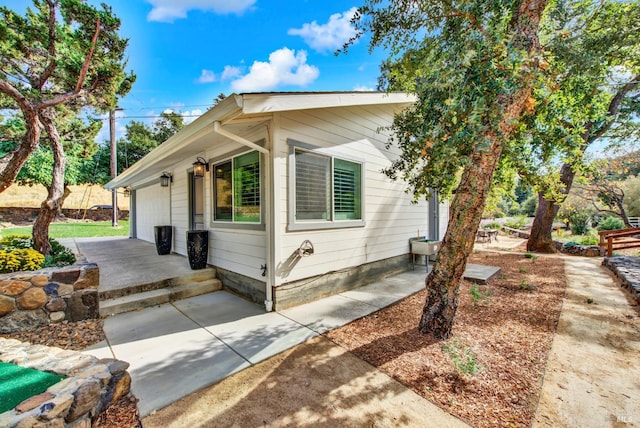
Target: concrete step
column 108, row 293
column 145, row 299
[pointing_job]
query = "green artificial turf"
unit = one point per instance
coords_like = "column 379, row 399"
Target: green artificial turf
column 19, row 383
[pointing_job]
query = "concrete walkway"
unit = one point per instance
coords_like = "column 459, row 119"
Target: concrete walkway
column 177, row 348
column 592, row 378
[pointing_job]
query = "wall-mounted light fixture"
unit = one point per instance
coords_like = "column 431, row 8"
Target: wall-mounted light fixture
column 165, row 179
column 199, row 167
column 126, row 192
column 305, row 249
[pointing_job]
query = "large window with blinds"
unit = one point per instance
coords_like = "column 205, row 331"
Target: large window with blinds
column 327, row 190
column 236, row 188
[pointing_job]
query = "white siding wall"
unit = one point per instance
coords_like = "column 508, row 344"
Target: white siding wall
column 152, row 209
column 237, row 250
column 391, row 218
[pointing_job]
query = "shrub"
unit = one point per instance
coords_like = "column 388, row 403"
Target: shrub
column 580, row 222
column 60, row 255
column 492, row 225
column 464, row 360
column 530, row 206
column 19, row 259
column 589, row 240
column 516, row 222
column 18, row 255
column 610, row 223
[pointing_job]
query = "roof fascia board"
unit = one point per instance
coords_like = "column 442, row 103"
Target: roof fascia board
column 227, row 108
column 270, row 102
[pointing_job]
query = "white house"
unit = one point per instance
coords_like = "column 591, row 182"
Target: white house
column 294, row 198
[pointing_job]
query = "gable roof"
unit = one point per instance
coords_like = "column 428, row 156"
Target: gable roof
column 243, row 108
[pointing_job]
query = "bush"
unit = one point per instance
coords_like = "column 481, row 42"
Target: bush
column 529, row 206
column 20, row 259
column 610, row 223
column 492, row 225
column 579, row 222
column 516, row 222
column 17, row 254
column 589, row 240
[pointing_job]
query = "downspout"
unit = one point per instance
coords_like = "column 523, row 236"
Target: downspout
column 217, row 127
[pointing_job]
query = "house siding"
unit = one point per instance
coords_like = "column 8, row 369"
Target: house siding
column 390, row 217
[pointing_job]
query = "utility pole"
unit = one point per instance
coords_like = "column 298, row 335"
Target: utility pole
column 114, row 165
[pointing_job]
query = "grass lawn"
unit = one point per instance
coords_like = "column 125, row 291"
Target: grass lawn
column 75, row 229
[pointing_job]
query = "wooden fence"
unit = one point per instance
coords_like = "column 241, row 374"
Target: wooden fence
column 619, row 239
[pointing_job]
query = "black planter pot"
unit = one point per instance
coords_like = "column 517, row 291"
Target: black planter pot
column 198, row 248
column 163, row 236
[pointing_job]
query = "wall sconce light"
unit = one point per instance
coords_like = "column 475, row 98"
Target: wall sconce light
column 165, row 179
column 199, row 167
column 126, row 192
column 305, row 249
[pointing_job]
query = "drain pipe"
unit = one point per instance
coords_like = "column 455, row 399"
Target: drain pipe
column 217, row 127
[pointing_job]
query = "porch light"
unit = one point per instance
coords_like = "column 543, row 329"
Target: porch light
column 165, row 179
column 126, row 192
column 199, row 167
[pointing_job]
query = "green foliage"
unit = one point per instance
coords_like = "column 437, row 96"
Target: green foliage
column 464, row 359
column 524, row 285
column 78, row 230
column 477, row 294
column 589, row 240
column 530, row 256
column 610, row 223
column 17, row 253
column 579, row 221
column 529, row 206
column 631, row 188
column 492, row 225
column 516, row 222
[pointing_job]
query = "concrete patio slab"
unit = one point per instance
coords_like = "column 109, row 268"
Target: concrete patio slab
column 244, row 326
column 328, row 313
column 170, row 356
column 480, row 273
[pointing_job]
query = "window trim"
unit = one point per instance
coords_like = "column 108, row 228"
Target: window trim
column 231, row 224
column 299, row 225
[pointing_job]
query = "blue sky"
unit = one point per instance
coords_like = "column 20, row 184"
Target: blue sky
column 186, row 52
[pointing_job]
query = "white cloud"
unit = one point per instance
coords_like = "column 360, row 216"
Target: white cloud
column 285, row 67
column 207, row 76
column 190, row 116
column 230, row 72
column 330, row 36
column 170, row 10
column 362, row 88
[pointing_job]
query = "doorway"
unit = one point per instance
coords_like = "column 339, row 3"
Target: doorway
column 196, row 202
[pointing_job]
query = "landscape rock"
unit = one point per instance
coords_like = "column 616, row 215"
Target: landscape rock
column 33, row 298
column 56, row 317
column 56, row 305
column 85, row 398
column 65, row 276
column 40, row 280
column 7, row 305
column 33, row 402
column 23, row 320
column 13, row 287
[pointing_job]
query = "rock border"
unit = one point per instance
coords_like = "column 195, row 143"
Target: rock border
column 29, row 300
column 627, row 269
column 91, row 386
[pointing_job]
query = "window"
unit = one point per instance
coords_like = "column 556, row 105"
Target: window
column 236, row 187
column 328, row 190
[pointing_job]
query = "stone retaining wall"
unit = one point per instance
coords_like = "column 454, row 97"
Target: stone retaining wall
column 29, row 300
column 576, row 250
column 628, row 270
column 19, row 215
column 91, row 386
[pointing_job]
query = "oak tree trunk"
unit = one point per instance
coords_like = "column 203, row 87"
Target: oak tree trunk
column 50, row 206
column 540, row 239
column 443, row 282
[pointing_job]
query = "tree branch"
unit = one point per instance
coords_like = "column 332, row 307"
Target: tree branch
column 52, row 45
column 87, row 61
column 614, row 108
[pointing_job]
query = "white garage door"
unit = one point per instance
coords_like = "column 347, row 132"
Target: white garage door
column 152, row 209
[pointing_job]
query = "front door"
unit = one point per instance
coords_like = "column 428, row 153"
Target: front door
column 196, row 202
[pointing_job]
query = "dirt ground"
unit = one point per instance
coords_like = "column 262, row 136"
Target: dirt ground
column 513, row 369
